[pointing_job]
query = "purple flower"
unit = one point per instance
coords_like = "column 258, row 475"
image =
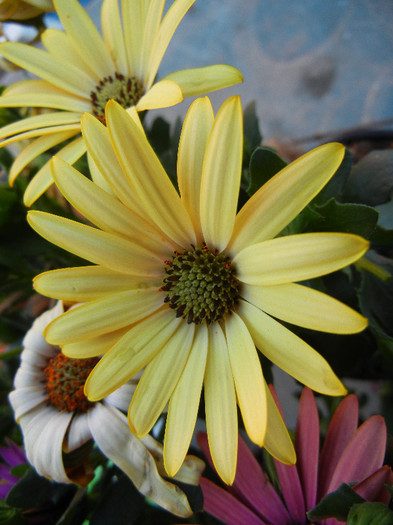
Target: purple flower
column 350, row 454
column 12, row 455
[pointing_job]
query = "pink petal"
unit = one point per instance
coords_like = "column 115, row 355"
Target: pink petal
column 341, row 429
column 363, row 455
column 225, row 507
column 373, row 489
column 291, row 490
column 250, row 485
column 307, row 446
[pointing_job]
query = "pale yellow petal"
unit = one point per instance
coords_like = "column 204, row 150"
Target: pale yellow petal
column 131, row 353
column 41, row 132
column 159, row 380
column 96, row 246
column 248, row 377
column 134, row 17
column 40, row 93
column 105, row 211
column 106, row 314
column 39, row 122
column 221, row 174
column 184, row 403
column 131, row 456
column 167, row 28
column 96, row 175
column 195, row 132
column 100, row 148
column 84, row 37
column 297, row 257
column 35, row 148
column 43, row 178
column 44, row 65
column 161, row 95
column 112, row 32
column 147, row 177
column 304, row 306
column 85, row 283
column 277, row 440
column 289, row 352
column 281, row 199
column 94, row 346
column 60, row 45
column 150, row 31
column 200, row 80
column 220, row 406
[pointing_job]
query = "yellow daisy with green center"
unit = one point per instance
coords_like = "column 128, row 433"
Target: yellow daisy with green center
column 80, row 70
column 187, row 289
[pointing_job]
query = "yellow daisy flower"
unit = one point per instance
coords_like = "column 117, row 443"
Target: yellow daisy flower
column 80, row 71
column 185, row 288
column 23, row 9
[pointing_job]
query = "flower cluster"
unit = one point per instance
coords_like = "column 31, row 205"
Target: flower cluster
column 171, row 286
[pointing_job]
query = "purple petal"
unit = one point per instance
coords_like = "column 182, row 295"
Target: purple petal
column 307, row 446
column 251, row 485
column 225, row 507
column 5, row 474
column 373, row 488
column 363, row 455
column 12, row 454
column 292, row 491
column 341, row 429
column 4, row 490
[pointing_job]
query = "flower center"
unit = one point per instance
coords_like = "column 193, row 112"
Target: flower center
column 201, row 285
column 125, row 90
column 65, row 379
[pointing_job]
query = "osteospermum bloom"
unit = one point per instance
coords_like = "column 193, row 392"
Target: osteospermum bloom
column 80, row 71
column 187, row 288
column 349, row 455
column 57, row 419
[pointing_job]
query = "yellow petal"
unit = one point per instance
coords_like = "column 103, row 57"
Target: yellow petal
column 161, row 95
column 35, row 148
column 303, row 306
column 281, row 199
column 220, row 406
column 39, row 93
column 159, row 380
column 200, row 80
column 94, row 346
column 96, row 246
column 184, row 403
column 43, row 178
column 134, row 17
column 112, row 32
column 249, row 382
column 106, row 314
column 221, row 174
column 196, row 129
column 147, row 177
column 150, row 31
column 277, row 441
column 131, row 353
column 100, row 148
column 84, row 283
column 40, row 123
column 167, row 28
column 289, row 352
column 44, row 65
column 96, row 175
column 105, row 211
column 297, row 257
column 84, row 37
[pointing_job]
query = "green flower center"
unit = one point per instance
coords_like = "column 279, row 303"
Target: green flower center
column 125, row 90
column 65, row 379
column 201, row 285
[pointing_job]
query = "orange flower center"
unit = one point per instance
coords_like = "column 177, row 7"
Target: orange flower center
column 65, row 379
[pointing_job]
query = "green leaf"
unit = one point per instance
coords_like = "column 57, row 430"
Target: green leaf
column 252, row 134
column 370, row 514
column 371, row 179
column 10, row 515
column 347, row 218
column 264, row 163
column 336, row 504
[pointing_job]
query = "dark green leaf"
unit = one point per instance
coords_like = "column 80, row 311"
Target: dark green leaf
column 336, row 504
column 252, row 134
column 264, row 163
column 10, row 515
column 370, row 514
